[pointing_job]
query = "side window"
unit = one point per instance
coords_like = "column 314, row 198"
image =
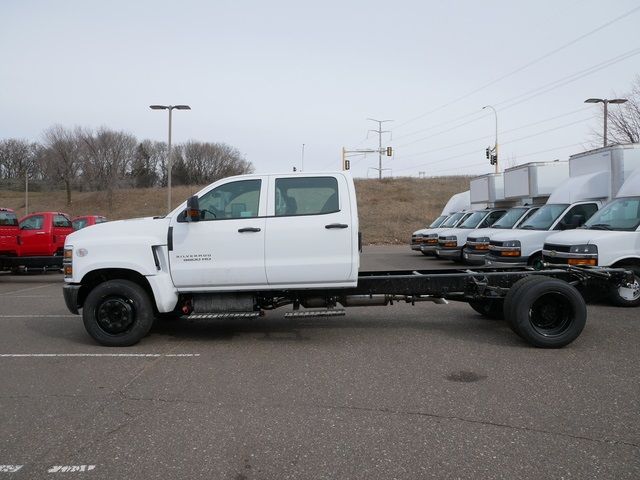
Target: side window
column 100, row 220
column 306, row 196
column 79, row 224
column 32, row 223
column 585, row 211
column 231, row 200
column 61, row 221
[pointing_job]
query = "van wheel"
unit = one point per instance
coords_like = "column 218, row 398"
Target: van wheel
column 627, row 296
column 547, row 312
column 118, row 313
column 489, row 307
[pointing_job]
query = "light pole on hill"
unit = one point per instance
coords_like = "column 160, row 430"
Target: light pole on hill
column 605, row 102
column 170, row 108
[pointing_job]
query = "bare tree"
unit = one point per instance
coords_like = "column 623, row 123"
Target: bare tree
column 60, row 161
column 18, row 158
column 624, row 119
column 107, row 157
column 206, row 162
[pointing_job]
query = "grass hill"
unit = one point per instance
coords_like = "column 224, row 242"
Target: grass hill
column 389, row 209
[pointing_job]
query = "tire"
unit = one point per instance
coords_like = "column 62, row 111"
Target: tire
column 509, row 304
column 118, row 313
column 426, row 254
column 548, row 313
column 492, row 308
column 627, row 297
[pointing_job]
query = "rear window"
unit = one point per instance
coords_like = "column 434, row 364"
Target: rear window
column 100, row 219
column 306, row 196
column 79, row 223
column 61, row 221
column 8, row 219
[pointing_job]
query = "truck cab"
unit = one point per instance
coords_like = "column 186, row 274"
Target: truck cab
column 9, row 231
column 452, row 241
column 43, row 234
column 477, row 245
column 611, row 237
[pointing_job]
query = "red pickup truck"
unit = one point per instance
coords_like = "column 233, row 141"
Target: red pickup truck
column 40, row 241
column 87, row 220
column 9, row 232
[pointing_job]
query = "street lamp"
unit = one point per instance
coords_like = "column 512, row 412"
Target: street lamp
column 170, row 108
column 605, row 102
column 494, row 160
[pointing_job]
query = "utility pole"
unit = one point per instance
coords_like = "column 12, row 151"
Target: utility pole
column 379, row 131
column 492, row 153
column 302, row 165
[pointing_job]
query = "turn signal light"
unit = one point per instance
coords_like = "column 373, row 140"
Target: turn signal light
column 510, row 253
column 450, row 244
column 68, row 271
column 582, row 261
column 431, row 241
column 482, row 247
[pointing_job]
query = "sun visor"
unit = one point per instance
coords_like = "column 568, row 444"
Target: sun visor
column 590, row 186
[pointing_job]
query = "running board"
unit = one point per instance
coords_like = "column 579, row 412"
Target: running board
column 315, row 313
column 201, row 316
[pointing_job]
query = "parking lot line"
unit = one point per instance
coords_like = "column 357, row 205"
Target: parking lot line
column 39, row 316
column 134, row 355
column 24, row 289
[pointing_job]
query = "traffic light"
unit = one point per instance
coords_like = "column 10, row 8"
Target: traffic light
column 488, row 152
column 389, row 151
column 493, row 160
column 347, row 164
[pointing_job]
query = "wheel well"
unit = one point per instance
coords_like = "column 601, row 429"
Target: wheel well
column 96, row 277
column 627, row 262
column 534, row 256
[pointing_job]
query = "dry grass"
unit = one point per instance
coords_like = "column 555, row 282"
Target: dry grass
column 389, row 210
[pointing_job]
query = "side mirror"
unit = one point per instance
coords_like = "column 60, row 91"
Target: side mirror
column 577, row 221
column 192, row 214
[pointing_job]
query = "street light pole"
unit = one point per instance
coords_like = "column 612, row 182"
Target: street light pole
column 170, row 108
column 605, row 102
column 496, row 144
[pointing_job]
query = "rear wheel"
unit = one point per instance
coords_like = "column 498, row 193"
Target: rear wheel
column 509, row 304
column 627, row 295
column 118, row 313
column 547, row 312
column 489, row 307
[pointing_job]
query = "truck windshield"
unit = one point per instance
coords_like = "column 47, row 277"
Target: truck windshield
column 452, row 220
column 8, row 219
column 621, row 214
column 473, row 220
column 509, row 219
column 544, row 217
column 436, row 223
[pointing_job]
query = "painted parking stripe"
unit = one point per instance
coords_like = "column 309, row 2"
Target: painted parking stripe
column 123, row 355
column 70, row 468
column 10, row 468
column 39, row 316
column 26, row 289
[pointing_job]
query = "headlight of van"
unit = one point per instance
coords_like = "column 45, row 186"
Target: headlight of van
column 589, row 249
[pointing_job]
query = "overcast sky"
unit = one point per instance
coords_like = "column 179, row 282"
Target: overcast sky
column 267, row 77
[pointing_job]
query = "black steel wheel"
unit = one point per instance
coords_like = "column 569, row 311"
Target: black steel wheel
column 492, row 308
column 510, row 304
column 627, row 295
column 548, row 313
column 118, row 313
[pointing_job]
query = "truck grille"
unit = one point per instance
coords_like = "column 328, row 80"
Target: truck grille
column 557, row 248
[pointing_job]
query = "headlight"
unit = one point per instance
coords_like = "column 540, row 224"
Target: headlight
column 67, row 261
column 510, row 248
column 584, row 249
column 512, row 243
column 482, row 240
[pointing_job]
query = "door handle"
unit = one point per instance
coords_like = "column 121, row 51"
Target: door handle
column 336, row 225
column 40, row 233
column 248, row 229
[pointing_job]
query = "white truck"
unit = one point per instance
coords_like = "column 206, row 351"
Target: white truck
column 529, row 186
column 487, row 194
column 594, row 178
column 610, row 238
column 250, row 244
column 454, row 212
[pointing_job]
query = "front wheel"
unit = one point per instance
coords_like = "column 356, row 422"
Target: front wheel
column 118, row 313
column 548, row 313
column 627, row 295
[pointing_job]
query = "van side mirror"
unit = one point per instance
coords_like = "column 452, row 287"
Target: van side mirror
column 577, row 221
column 192, row 214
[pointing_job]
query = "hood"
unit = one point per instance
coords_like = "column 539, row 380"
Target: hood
column 487, row 232
column 579, row 236
column 150, row 228
column 522, row 235
column 427, row 231
column 450, row 232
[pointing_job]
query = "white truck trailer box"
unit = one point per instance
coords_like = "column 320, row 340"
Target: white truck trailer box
column 457, row 203
column 487, row 191
column 535, row 181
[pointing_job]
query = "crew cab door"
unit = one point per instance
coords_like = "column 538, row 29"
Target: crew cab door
column 61, row 228
column 309, row 232
column 225, row 249
column 34, row 239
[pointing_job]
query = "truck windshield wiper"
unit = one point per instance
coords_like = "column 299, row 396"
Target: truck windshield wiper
column 600, row 226
column 527, row 227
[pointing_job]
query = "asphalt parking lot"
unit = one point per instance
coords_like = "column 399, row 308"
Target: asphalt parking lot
column 430, row 391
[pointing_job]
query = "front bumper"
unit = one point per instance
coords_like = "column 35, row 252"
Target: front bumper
column 449, row 253
column 493, row 261
column 428, row 248
column 70, row 293
column 415, row 246
column 474, row 257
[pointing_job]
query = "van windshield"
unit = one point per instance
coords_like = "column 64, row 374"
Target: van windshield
column 544, row 217
column 436, row 223
column 473, row 220
column 621, row 214
column 452, row 220
column 509, row 219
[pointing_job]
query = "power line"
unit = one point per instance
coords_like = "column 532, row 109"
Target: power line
column 523, row 67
